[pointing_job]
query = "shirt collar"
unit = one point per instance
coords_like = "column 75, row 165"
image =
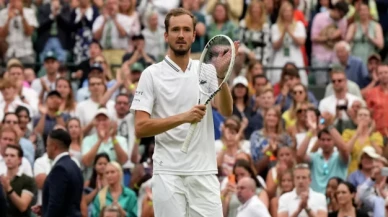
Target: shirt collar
column 245, row 205
column 56, row 159
column 174, row 66
column 296, row 196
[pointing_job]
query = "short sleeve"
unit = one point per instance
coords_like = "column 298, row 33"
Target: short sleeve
column 26, row 167
column 86, row 145
column 282, row 206
column 36, row 85
column 39, row 167
column 98, row 23
column 123, row 143
column 321, row 202
column 3, row 17
column 300, row 30
column 30, row 187
column 31, row 18
column 144, row 95
column 313, row 157
column 347, row 135
column 377, row 138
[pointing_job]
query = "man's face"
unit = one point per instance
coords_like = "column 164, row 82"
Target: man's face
column 122, row 105
column 96, row 85
column 326, row 143
column 243, row 192
column 180, row 34
column 267, row 100
column 291, row 81
column 153, row 21
column 53, row 102
column 339, row 81
column 342, row 54
column 302, row 179
column 6, row 138
column 16, row 74
column 259, row 83
column 337, row 15
column 11, row 120
column 94, row 50
column 373, row 64
column 51, row 66
column 50, row 148
column 112, row 6
column 102, row 122
column 12, row 159
column 382, row 74
column 8, row 93
column 138, row 44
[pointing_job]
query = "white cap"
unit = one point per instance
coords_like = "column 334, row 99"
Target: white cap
column 240, row 80
column 370, row 151
column 102, row 111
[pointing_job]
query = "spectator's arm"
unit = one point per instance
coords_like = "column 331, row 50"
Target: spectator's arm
column 23, row 201
column 40, row 179
column 5, row 28
column 341, row 145
column 45, row 20
column 369, row 199
column 352, row 141
column 315, row 31
column 64, row 18
column 88, row 157
column 378, row 40
column 39, row 124
column 271, row 183
column 89, row 197
column 120, row 29
column 350, row 33
column 98, row 27
column 28, row 29
column 88, row 128
column 301, row 155
column 121, row 152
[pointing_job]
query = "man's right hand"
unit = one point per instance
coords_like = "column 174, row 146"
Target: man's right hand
column 195, row 114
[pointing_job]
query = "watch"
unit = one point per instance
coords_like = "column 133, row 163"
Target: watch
column 10, row 192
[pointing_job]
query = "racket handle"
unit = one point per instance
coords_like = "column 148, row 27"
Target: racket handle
column 189, row 136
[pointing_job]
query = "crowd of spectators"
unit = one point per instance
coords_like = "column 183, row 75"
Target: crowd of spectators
column 285, row 151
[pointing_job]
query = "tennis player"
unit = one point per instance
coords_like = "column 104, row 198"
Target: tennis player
column 165, row 104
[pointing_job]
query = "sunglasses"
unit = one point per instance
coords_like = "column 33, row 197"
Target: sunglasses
column 325, row 169
column 336, row 81
column 298, row 92
column 301, row 110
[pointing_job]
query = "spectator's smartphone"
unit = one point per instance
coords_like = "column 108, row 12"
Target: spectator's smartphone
column 232, row 179
column 322, row 121
column 384, row 171
column 341, row 105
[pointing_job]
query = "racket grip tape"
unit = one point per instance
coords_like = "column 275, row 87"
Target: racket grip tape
column 189, row 136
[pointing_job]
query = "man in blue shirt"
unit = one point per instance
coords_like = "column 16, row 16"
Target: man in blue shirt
column 326, row 162
column 355, row 69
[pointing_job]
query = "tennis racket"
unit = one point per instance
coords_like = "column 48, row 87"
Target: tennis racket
column 215, row 66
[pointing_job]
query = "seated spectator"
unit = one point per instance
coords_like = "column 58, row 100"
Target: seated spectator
column 73, row 126
column 128, row 7
column 221, row 23
column 19, row 187
column 289, row 78
column 50, row 115
column 50, row 66
column 53, row 31
column 230, row 202
column 327, row 28
column 288, row 35
column 365, row 166
column 94, row 50
column 345, row 196
column 286, row 184
column 301, row 125
column 17, row 24
column 271, row 134
column 68, row 105
column 363, row 136
column 355, row 69
column 331, row 193
column 343, row 124
column 365, row 34
column 200, row 27
column 236, row 9
column 341, row 100
column 115, row 194
column 24, row 119
column 251, row 205
column 104, row 140
column 299, row 100
column 351, row 87
column 376, row 100
column 139, row 53
column 302, row 201
column 285, row 157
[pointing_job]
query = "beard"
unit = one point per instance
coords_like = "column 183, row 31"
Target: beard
column 178, row 52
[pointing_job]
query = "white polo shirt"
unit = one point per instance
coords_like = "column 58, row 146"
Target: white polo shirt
column 25, row 167
column 289, row 202
column 164, row 90
column 253, row 207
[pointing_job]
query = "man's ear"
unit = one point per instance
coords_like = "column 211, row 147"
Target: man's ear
column 194, row 34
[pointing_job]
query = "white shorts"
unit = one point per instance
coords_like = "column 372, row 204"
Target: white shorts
column 186, row 196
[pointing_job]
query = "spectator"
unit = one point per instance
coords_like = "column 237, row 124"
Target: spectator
column 73, row 126
column 255, row 33
column 327, row 28
column 24, row 120
column 11, row 120
column 331, row 192
column 68, row 104
column 286, row 184
column 301, row 125
column 154, row 38
column 20, row 188
column 126, row 200
column 105, row 140
column 302, row 201
column 272, row 134
column 51, row 66
column 200, row 27
column 366, row 34
column 128, row 8
column 376, row 100
column 221, row 23
column 235, row 12
column 50, row 115
column 328, row 162
column 287, row 36
column 53, row 31
column 251, row 204
column 82, row 19
column 352, row 88
column 235, row 124
column 17, row 24
column 299, row 95
column 10, row 97
column 372, row 80
column 341, row 100
column 83, row 69
column 345, row 197
column 139, row 53
column 255, row 69
column 355, row 69
column 364, row 136
column 365, row 166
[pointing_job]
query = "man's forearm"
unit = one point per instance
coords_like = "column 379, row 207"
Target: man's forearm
column 224, row 101
column 151, row 127
column 296, row 213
